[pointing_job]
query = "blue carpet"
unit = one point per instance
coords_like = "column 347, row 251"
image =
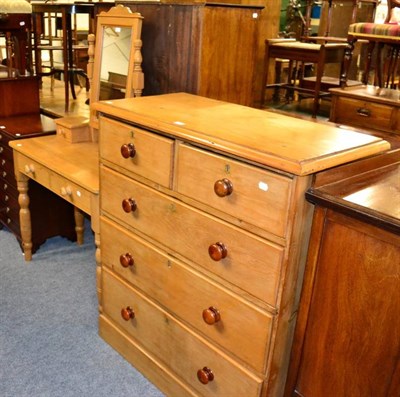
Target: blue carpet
column 49, row 343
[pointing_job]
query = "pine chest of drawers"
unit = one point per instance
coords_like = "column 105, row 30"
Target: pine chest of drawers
column 204, row 231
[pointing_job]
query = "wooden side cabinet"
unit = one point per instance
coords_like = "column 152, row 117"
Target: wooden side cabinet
column 347, row 338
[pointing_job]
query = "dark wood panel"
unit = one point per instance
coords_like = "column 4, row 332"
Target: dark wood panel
column 19, row 96
column 352, row 339
column 228, row 54
column 201, row 49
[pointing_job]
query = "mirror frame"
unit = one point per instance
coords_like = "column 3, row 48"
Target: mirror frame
column 118, row 16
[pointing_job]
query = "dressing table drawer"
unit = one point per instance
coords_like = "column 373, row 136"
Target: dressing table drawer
column 63, row 187
column 169, row 340
column 137, row 151
column 214, row 245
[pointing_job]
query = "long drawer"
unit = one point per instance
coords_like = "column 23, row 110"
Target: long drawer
column 243, row 259
column 360, row 113
column 70, row 191
column 220, row 315
column 251, row 194
column 169, row 340
column 136, row 150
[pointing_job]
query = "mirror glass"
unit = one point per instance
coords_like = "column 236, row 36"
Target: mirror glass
column 114, row 65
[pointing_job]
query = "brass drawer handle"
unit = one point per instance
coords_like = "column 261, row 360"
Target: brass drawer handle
column 364, row 112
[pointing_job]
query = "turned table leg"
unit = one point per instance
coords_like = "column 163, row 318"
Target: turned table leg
column 24, row 215
column 79, row 225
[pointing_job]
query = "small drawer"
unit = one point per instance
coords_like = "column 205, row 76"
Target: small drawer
column 32, row 169
column 235, row 325
column 7, row 168
column 176, row 346
column 245, row 260
column 69, row 191
column 136, row 150
column 9, row 216
column 73, row 128
column 248, row 193
column 364, row 114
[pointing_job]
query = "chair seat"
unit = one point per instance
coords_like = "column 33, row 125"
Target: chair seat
column 375, row 30
column 307, row 46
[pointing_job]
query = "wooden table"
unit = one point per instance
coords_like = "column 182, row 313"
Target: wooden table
column 43, row 203
column 69, row 170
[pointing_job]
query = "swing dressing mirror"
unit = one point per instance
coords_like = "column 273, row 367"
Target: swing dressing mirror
column 115, row 59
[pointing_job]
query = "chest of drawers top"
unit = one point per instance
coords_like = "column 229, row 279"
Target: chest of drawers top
column 297, row 146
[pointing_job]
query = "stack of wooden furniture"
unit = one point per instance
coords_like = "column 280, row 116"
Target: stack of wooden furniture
column 204, row 231
column 375, row 105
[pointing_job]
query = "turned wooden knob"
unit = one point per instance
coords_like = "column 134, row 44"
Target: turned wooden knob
column 129, row 205
column 217, row 251
column 66, row 191
column 127, row 313
column 29, row 169
column 128, row 150
column 223, row 187
column 205, row 375
column 211, row 315
column 126, row 260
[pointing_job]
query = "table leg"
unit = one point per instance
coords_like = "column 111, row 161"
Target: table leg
column 24, row 215
column 79, row 225
column 65, row 56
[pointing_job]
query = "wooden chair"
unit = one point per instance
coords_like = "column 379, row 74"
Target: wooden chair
column 378, row 35
column 319, row 51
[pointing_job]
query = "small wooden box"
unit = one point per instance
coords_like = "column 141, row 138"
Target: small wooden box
column 74, row 128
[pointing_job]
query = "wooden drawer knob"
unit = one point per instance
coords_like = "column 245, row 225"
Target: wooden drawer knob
column 129, row 205
column 128, row 150
column 223, row 187
column 211, row 315
column 29, row 169
column 127, row 313
column 66, row 191
column 205, row 375
column 126, row 260
column 217, row 251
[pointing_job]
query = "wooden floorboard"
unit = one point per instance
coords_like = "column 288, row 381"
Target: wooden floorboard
column 52, row 100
